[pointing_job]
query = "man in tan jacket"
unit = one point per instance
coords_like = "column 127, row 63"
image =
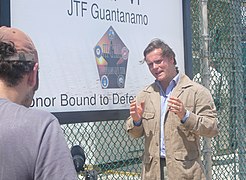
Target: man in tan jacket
column 172, row 114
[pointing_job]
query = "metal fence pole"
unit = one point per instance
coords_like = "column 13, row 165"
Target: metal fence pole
column 239, row 101
column 205, row 81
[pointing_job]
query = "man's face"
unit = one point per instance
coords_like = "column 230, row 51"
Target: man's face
column 160, row 67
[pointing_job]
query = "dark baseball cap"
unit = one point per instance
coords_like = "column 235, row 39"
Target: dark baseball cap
column 25, row 48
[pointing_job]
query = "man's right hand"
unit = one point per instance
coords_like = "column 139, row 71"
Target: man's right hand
column 136, row 111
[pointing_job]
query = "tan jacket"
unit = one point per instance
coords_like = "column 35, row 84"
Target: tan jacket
column 182, row 141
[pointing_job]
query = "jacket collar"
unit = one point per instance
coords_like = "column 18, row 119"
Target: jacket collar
column 183, row 83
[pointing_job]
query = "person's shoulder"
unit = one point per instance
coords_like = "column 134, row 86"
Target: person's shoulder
column 39, row 114
column 40, row 118
column 30, row 113
column 147, row 90
column 25, row 116
column 200, row 89
column 150, row 87
column 195, row 86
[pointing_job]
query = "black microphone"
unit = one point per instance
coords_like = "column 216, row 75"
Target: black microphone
column 78, row 155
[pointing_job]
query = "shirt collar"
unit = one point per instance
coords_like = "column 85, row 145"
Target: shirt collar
column 171, row 85
column 176, row 78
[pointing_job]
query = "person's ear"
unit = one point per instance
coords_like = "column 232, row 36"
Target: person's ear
column 171, row 59
column 32, row 79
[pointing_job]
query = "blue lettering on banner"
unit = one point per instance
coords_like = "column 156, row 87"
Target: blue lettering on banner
column 79, row 8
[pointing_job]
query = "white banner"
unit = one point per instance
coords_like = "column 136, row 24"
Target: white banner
column 89, row 51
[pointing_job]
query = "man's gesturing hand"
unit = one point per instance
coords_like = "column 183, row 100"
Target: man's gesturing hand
column 176, row 106
column 136, row 111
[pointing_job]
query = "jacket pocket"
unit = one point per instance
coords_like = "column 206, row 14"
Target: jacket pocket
column 148, row 115
column 149, row 123
column 186, row 156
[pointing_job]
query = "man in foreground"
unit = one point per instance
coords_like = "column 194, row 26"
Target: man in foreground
column 32, row 143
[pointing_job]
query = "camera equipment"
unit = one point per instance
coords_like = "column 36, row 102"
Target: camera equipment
column 78, row 156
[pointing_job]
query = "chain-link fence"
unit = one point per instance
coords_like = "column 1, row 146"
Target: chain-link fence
column 114, row 155
column 226, row 27
column 108, row 148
